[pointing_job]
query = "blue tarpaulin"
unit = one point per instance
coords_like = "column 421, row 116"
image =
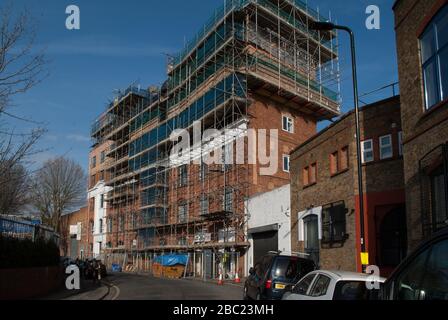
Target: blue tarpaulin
column 116, row 268
column 172, row 260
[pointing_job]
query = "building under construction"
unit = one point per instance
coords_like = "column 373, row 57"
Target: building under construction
column 255, row 65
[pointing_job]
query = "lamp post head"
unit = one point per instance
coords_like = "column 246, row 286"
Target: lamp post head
column 322, row 26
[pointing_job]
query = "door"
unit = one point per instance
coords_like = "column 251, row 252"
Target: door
column 264, row 243
column 393, row 238
column 311, row 224
column 73, row 248
column 208, row 263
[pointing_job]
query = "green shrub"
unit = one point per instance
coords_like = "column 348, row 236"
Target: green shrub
column 16, row 253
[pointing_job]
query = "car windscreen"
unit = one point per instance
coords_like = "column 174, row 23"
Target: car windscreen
column 290, row 269
column 354, row 290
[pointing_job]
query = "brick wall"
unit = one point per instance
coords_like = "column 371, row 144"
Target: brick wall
column 380, row 178
column 72, row 219
column 423, row 130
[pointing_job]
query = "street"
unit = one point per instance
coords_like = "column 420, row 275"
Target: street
column 144, row 287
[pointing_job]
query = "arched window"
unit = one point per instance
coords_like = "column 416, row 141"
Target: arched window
column 434, row 53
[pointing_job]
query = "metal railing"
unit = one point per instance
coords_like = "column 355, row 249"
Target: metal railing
column 230, row 5
column 11, row 227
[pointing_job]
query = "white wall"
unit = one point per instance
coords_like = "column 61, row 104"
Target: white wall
column 267, row 209
column 99, row 213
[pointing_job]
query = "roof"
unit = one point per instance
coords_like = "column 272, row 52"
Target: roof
column 343, row 117
column 347, row 275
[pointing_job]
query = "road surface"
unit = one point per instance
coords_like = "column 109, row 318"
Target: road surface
column 144, row 287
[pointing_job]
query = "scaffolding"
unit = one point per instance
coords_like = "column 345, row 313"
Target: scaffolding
column 160, row 205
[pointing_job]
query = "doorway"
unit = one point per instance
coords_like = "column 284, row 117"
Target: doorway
column 392, row 238
column 312, row 246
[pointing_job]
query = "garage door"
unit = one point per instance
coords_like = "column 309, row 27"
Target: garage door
column 73, row 248
column 263, row 243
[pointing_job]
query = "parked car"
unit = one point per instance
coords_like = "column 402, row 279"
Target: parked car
column 270, row 277
column 334, row 285
column 423, row 275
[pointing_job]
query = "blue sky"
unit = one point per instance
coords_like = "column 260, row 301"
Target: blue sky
column 121, row 42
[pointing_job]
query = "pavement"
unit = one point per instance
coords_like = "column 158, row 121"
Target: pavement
column 88, row 291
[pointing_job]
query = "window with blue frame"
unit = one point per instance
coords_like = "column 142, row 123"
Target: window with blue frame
column 434, row 54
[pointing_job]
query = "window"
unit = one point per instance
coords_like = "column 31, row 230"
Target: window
column 102, row 201
column 203, row 170
column 434, row 53
column 310, row 175
column 182, row 172
column 101, row 225
column 92, row 227
column 93, row 164
column 438, row 201
column 121, row 223
column 320, row 287
column 102, row 175
column 134, row 221
column 204, row 205
column 182, row 241
column 353, row 291
column 303, row 286
column 334, row 223
column 306, row 176
column 286, row 163
column 288, row 124
column 343, row 161
column 400, row 143
column 227, row 158
column 386, row 149
column 313, row 173
column 103, row 157
column 92, row 181
column 290, row 269
column 334, row 163
column 367, row 151
column 228, row 200
column 109, row 225
column 182, row 214
column 339, row 161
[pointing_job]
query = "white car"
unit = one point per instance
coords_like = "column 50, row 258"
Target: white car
column 334, row 285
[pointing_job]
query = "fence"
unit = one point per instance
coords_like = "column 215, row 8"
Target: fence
column 11, row 227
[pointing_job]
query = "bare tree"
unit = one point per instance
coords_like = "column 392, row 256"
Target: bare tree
column 13, row 194
column 21, row 68
column 57, row 188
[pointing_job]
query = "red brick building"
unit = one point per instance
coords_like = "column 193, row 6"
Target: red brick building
column 76, row 238
column 254, row 66
column 325, row 197
column 422, row 44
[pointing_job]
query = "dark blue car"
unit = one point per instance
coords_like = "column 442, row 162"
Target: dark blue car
column 274, row 274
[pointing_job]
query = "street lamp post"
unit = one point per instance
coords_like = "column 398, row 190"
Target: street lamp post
column 328, row 26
